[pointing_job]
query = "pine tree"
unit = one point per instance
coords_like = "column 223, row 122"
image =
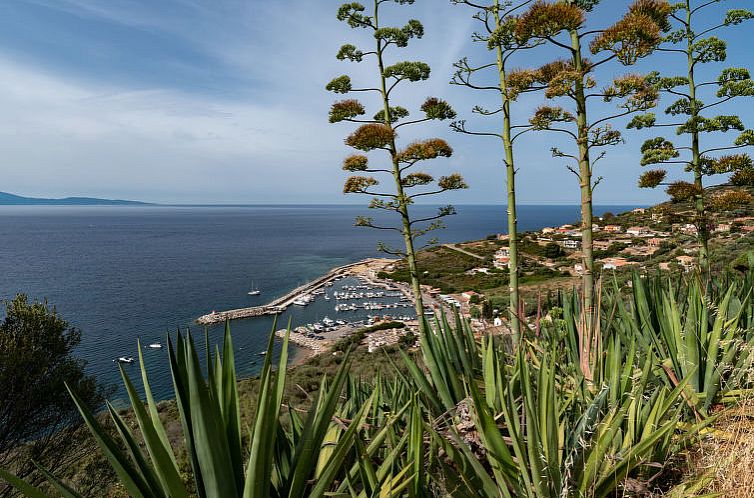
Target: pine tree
column 380, row 134
column 693, row 40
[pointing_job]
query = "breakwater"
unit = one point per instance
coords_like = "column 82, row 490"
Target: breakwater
column 279, row 304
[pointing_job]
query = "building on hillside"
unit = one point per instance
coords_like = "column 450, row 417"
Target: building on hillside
column 578, row 268
column 613, row 229
column 502, row 258
column 639, row 210
column 602, row 245
column 655, row 242
column 615, row 263
column 570, row 243
column 468, row 295
column 547, row 230
column 689, row 229
column 722, row 228
column 474, row 271
column 639, row 231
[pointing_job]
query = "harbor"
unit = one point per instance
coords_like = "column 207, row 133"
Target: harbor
column 302, row 295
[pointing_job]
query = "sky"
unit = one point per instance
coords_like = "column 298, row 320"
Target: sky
column 223, row 101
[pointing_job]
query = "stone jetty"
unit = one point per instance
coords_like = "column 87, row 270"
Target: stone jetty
column 280, row 304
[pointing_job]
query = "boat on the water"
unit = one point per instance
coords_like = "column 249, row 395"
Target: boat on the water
column 254, row 291
column 155, row 345
column 262, row 353
column 125, row 359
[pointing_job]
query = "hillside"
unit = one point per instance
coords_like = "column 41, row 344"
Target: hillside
column 657, row 238
column 7, row 199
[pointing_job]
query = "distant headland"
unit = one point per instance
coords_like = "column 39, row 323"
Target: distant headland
column 7, row 199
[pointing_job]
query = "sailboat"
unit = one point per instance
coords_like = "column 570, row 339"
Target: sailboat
column 254, row 291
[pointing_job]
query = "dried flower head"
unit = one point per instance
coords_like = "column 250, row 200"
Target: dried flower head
column 355, row 162
column 682, row 191
column 652, row 178
column 426, row 149
column 416, row 179
column 371, row 136
column 743, row 177
column 345, row 110
column 544, row 19
column 637, row 34
column 435, row 108
column 359, row 184
column 545, row 116
column 520, row 80
column 452, row 182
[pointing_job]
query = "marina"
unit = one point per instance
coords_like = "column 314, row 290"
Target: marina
column 367, row 291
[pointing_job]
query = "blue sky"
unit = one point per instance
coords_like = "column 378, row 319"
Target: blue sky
column 223, row 101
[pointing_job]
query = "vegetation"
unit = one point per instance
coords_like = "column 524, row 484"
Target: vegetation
column 563, row 26
column 380, row 133
column 598, row 391
column 604, row 422
column 38, row 420
column 498, row 34
column 694, row 40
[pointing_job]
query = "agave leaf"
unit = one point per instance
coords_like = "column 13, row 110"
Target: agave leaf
column 161, row 455
column 128, row 475
column 27, row 489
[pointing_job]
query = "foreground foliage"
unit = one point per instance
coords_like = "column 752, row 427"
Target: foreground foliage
column 479, row 416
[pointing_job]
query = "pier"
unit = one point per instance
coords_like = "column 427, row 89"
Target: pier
column 281, row 303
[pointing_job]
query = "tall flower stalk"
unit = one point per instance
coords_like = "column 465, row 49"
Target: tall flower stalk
column 574, row 80
column 693, row 41
column 380, row 133
column 498, row 33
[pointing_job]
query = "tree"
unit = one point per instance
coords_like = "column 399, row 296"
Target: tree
column 380, row 134
column 38, row 419
column 693, row 40
column 574, row 80
column 498, row 34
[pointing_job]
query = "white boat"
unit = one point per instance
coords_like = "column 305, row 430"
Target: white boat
column 301, row 302
column 254, row 291
column 155, row 345
column 262, row 353
column 125, row 359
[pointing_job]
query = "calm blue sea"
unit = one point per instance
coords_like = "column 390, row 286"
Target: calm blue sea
column 118, row 273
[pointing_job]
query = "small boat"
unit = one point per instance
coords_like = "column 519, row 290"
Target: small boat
column 254, row 291
column 155, row 345
column 262, row 353
column 125, row 359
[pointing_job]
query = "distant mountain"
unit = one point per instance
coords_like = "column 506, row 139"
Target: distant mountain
column 7, row 199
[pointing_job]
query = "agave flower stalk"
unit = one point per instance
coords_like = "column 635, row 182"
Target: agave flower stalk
column 381, row 133
column 694, row 40
column 573, row 79
column 498, row 22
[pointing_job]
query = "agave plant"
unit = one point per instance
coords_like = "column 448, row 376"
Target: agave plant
column 310, row 457
column 693, row 334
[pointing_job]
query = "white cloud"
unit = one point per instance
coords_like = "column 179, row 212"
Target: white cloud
column 68, row 137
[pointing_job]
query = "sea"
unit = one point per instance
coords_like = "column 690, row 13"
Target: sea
column 122, row 273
